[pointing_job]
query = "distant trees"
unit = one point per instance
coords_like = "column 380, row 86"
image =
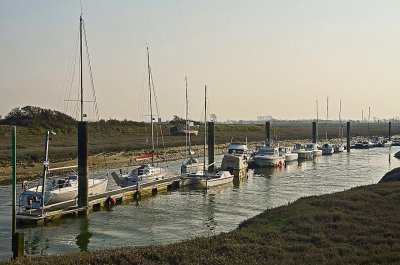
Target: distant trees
column 36, row 117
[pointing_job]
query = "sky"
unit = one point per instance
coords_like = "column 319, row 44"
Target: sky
column 257, row 57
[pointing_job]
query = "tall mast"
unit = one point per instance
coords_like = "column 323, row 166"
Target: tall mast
column 316, row 104
column 187, row 121
column 340, row 120
column 326, row 125
column 369, row 116
column 151, row 107
column 205, row 127
column 80, row 37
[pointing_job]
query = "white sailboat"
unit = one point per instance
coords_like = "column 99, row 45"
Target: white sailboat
column 339, row 147
column 145, row 173
column 327, row 148
column 204, row 178
column 191, row 164
column 64, row 189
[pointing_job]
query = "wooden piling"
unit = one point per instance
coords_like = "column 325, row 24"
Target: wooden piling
column 83, row 184
column 267, row 133
column 348, row 137
column 390, row 130
column 314, row 132
column 211, row 143
column 17, row 239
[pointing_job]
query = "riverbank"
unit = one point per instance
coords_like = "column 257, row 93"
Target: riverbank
column 116, row 160
column 357, row 226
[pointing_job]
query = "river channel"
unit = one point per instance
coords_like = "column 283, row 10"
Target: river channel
column 185, row 214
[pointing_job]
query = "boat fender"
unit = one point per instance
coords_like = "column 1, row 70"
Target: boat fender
column 110, row 201
column 138, row 196
column 25, row 185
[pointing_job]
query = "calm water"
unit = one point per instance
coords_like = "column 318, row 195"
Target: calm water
column 181, row 215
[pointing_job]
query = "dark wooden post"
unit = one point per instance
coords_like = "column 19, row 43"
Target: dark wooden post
column 267, row 133
column 83, row 185
column 314, row 132
column 211, row 142
column 17, row 240
column 390, row 130
column 348, row 137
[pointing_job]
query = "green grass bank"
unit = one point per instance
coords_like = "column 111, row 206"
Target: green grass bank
column 356, row 226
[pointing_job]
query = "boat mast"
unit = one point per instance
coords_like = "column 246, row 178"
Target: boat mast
column 316, row 103
column 369, row 116
column 187, row 119
column 205, row 127
column 80, row 38
column 326, row 125
column 151, row 108
column 340, row 121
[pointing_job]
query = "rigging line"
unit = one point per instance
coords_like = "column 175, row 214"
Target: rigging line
column 157, row 109
column 73, row 75
column 96, row 109
column 70, row 66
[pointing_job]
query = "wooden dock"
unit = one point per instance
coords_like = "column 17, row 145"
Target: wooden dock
column 96, row 202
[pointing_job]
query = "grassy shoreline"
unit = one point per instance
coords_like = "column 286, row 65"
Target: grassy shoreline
column 356, row 226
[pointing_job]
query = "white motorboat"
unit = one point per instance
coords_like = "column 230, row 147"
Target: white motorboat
column 268, row 157
column 327, row 149
column 363, row 144
column 302, row 152
column 381, row 142
column 59, row 190
column 142, row 174
column 396, row 142
column 236, row 159
column 338, row 148
column 287, row 153
column 314, row 148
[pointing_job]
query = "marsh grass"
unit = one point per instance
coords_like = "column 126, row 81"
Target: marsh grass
column 357, row 226
column 130, row 137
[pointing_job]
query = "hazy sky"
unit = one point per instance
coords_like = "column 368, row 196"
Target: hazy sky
column 256, row 57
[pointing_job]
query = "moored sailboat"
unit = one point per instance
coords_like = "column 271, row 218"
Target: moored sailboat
column 60, row 190
column 204, row 178
column 144, row 173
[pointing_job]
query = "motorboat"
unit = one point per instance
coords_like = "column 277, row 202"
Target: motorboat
column 236, row 159
column 268, row 157
column 327, row 149
column 58, row 191
column 287, row 153
column 381, row 142
column 338, row 148
column 302, row 152
column 363, row 144
column 396, row 142
column 139, row 175
column 314, row 148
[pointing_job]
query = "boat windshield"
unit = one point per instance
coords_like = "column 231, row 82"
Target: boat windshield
column 266, row 151
column 236, row 151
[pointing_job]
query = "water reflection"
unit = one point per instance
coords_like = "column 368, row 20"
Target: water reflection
column 188, row 213
column 83, row 238
column 210, row 222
